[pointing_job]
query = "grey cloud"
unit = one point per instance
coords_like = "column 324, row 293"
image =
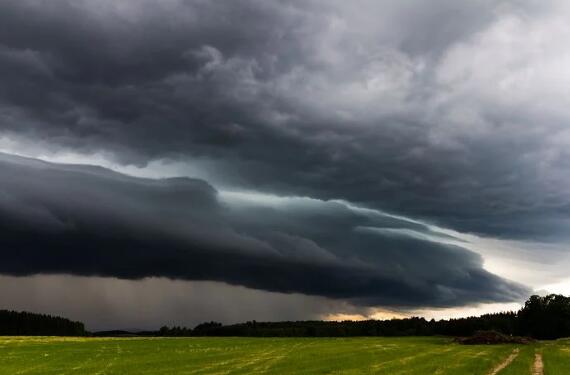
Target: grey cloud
column 90, row 221
column 414, row 108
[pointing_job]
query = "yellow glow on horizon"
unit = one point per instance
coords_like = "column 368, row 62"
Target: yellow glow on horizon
column 436, row 313
column 377, row 314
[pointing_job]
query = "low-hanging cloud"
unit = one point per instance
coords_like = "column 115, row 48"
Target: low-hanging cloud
column 90, row 221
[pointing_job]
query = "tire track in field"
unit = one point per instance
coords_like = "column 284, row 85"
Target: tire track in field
column 111, row 361
column 538, row 368
column 46, row 361
column 459, row 360
column 413, row 355
column 283, row 353
column 87, row 361
column 506, row 362
column 257, row 362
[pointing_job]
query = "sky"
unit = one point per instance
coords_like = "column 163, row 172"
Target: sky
column 187, row 160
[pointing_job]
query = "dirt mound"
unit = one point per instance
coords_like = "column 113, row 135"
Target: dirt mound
column 492, row 337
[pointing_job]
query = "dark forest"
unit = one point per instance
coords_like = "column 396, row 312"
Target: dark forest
column 545, row 317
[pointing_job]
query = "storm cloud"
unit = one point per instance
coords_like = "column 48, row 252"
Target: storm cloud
column 426, row 110
column 381, row 153
column 89, row 221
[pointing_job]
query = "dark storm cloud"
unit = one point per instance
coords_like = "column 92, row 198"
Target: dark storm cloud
column 415, row 108
column 90, row 221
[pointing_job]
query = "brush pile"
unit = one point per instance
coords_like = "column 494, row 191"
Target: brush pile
column 492, row 337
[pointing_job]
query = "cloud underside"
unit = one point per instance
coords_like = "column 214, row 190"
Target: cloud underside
column 457, row 119
column 91, row 221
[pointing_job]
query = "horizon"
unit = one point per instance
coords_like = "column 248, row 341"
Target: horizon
column 336, row 319
column 185, row 161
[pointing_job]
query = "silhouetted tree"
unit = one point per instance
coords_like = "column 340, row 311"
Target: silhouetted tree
column 545, row 317
column 14, row 323
column 542, row 317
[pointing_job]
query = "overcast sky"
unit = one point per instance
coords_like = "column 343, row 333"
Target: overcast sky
column 189, row 160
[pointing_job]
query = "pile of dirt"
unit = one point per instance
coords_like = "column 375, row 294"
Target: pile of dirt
column 493, row 337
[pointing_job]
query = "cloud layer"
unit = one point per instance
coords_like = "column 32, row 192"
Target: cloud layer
column 90, row 221
column 451, row 112
column 450, row 116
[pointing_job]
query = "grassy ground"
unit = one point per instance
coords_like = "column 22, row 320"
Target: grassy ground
column 556, row 357
column 39, row 355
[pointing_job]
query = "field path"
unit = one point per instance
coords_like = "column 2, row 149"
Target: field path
column 538, row 368
column 506, row 362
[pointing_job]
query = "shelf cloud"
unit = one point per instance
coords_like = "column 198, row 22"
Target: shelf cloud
column 89, row 221
column 356, row 129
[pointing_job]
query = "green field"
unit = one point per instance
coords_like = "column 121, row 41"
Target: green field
column 47, row 355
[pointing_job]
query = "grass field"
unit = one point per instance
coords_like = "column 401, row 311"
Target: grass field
column 46, row 355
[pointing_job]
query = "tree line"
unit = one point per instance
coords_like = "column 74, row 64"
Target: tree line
column 545, row 317
column 13, row 323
